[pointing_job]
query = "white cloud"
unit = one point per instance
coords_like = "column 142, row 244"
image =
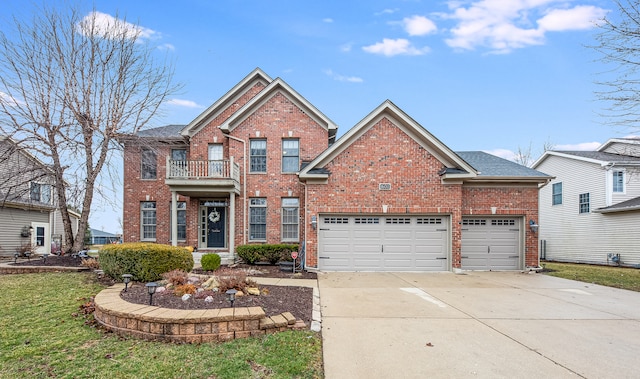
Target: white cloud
column 342, row 78
column 390, row 47
column 578, row 18
column 184, row 103
column 346, row 48
column 506, row 25
column 502, row 153
column 10, row 101
column 386, row 11
column 107, row 26
column 584, row 146
column 419, row 25
column 166, row 46
column 327, row 20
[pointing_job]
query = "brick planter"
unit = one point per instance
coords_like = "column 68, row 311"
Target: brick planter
column 10, row 268
column 185, row 326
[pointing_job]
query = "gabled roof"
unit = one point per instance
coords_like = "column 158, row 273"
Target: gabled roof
column 279, row 86
column 406, row 124
column 496, row 168
column 256, row 76
column 625, row 206
column 596, row 157
column 630, row 141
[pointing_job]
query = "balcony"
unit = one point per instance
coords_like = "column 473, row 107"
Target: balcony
column 203, row 178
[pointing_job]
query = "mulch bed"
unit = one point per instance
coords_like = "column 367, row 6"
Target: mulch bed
column 274, row 299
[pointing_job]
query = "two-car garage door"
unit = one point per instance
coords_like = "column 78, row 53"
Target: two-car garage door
column 383, row 243
column 415, row 243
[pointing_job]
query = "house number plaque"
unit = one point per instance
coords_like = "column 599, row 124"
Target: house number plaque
column 384, row 186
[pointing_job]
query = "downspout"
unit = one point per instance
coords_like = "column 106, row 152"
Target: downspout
column 304, row 184
column 244, row 187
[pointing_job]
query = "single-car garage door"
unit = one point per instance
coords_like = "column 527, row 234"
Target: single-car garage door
column 491, row 244
column 383, row 243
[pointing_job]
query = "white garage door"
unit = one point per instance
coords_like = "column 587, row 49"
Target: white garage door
column 383, row 243
column 491, row 244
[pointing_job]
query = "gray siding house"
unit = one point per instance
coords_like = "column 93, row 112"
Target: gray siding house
column 28, row 213
column 590, row 212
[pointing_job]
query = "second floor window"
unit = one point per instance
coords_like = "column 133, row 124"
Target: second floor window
column 148, row 220
column 584, row 203
column 290, row 155
column 556, row 196
column 179, row 154
column 258, row 153
column 618, row 181
column 149, row 168
column 40, row 192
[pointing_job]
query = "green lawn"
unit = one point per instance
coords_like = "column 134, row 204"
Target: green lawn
column 618, row 277
column 43, row 335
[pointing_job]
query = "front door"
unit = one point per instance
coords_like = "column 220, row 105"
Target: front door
column 40, row 238
column 216, row 222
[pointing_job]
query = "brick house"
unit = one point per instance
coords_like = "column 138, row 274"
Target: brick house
column 260, row 166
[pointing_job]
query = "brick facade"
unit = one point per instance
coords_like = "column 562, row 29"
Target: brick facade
column 385, row 148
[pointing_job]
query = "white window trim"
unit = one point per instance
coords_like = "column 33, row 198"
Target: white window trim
column 282, row 224
column 142, row 210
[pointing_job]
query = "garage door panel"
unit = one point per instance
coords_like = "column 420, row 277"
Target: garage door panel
column 491, row 244
column 384, row 243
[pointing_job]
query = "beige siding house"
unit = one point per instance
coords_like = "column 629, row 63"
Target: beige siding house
column 28, row 213
column 590, row 212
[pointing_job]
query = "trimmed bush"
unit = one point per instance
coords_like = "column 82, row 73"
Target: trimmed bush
column 210, row 262
column 145, row 261
column 272, row 253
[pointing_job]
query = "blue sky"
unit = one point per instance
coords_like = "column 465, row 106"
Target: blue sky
column 491, row 75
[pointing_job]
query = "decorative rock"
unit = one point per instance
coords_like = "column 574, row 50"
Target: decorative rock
column 200, row 289
column 186, row 297
column 253, row 291
column 193, row 280
column 161, row 289
column 239, row 293
column 210, row 283
column 208, row 299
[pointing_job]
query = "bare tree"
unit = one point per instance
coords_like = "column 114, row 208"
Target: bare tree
column 69, row 85
column 618, row 42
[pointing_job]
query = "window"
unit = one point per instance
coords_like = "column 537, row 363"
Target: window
column 290, row 219
column 179, row 154
column 182, row 220
column 290, row 155
column 618, row 181
column 258, row 153
column 148, row 218
column 258, row 219
column 40, row 192
column 149, row 166
column 584, row 203
column 556, row 194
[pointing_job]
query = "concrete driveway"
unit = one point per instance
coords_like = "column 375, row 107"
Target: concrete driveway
column 476, row 325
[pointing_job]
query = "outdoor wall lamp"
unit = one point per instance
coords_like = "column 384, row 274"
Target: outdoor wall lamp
column 231, row 294
column 26, row 231
column 151, row 289
column 314, row 222
column 533, row 226
column 126, row 278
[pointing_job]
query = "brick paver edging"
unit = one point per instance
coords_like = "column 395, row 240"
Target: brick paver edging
column 182, row 325
column 10, row 268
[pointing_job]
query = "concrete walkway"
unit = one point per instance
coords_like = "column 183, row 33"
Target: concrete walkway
column 476, row 325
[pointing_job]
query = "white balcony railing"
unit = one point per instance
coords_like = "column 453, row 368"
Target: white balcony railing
column 203, row 169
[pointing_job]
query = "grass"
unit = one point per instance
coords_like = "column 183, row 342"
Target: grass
column 618, row 277
column 43, row 335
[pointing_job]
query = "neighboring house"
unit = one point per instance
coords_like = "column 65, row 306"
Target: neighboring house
column 260, row 165
column 590, row 213
column 99, row 237
column 28, row 214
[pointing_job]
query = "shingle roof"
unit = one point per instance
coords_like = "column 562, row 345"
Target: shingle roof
column 600, row 156
column 490, row 165
column 168, row 131
column 629, row 205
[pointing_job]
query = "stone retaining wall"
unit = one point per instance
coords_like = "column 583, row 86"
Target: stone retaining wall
column 10, row 268
column 185, row 326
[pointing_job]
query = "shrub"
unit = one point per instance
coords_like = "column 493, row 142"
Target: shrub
column 92, row 263
column 145, row 261
column 210, row 262
column 272, row 253
column 236, row 279
column 184, row 289
column 176, row 277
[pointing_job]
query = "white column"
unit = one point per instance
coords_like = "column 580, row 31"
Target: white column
column 174, row 218
column 232, row 224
